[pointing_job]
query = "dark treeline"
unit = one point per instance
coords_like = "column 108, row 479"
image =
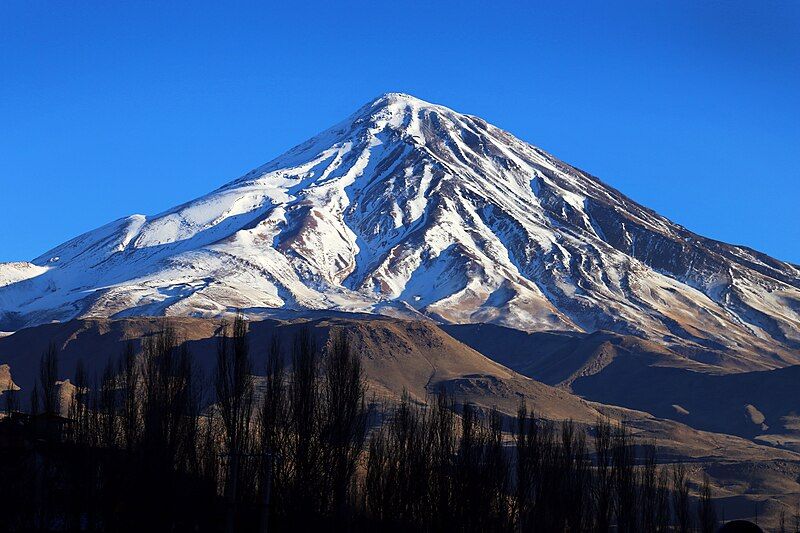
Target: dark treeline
column 301, row 448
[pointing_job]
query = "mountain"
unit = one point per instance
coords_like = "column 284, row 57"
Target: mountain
column 397, row 355
column 625, row 371
column 409, row 208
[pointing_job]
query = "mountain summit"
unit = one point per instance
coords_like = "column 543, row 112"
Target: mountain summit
column 411, row 208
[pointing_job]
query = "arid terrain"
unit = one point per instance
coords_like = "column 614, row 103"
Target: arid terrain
column 704, row 419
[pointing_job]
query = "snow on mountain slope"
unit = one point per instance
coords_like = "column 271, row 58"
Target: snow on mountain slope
column 409, row 207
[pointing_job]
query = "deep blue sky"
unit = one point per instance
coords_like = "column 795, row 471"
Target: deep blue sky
column 113, row 108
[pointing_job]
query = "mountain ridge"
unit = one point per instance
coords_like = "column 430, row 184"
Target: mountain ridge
column 409, row 208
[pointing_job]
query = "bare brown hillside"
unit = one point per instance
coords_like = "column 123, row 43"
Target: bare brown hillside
column 420, row 357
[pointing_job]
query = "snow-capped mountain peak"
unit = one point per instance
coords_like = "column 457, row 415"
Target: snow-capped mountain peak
column 410, row 207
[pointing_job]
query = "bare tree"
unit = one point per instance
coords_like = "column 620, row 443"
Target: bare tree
column 442, row 450
column 624, row 461
column 79, row 408
column 169, row 422
column 680, row 498
column 233, row 383
column 303, row 453
column 273, row 407
column 580, row 477
column 272, row 425
column 131, row 402
column 398, row 489
column 48, row 375
column 527, row 439
column 706, row 514
column 603, row 475
column 344, row 420
column 495, row 476
column 648, row 486
column 108, row 407
column 662, row 520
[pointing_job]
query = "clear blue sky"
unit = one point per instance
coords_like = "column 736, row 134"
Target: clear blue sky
column 113, row 108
